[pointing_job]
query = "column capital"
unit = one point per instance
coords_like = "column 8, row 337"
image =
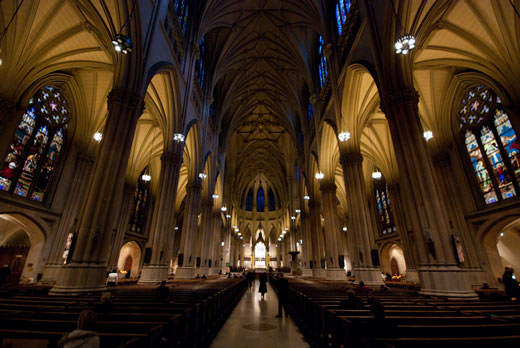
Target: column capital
column 399, row 98
column 206, row 203
column 124, row 97
column 314, row 203
column 7, row 105
column 328, row 187
column 393, row 188
column 193, row 187
column 441, row 159
column 195, row 51
column 86, row 158
column 327, row 50
column 171, row 157
column 350, row 157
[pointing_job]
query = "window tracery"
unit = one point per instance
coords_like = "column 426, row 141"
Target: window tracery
column 31, row 159
column 491, row 144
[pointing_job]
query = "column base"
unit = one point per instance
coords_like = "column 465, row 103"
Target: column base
column 319, row 273
column 412, row 275
column 203, row 270
column 51, row 273
column 153, row 274
column 307, row 272
column 185, row 273
column 336, row 274
column 214, row 271
column 80, row 278
column 445, row 281
column 369, row 275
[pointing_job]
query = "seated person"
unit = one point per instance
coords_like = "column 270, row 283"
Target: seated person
column 163, row 291
column 112, row 278
column 83, row 336
column 106, row 306
column 351, row 302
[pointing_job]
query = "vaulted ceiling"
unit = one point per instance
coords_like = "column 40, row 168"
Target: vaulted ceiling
column 262, row 54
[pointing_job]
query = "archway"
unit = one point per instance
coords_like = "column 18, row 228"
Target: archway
column 260, row 252
column 502, row 245
column 392, row 260
column 21, row 244
column 129, row 259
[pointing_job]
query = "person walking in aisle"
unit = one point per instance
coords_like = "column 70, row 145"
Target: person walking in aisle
column 283, row 296
column 263, row 284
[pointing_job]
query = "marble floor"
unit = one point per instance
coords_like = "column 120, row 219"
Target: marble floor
column 253, row 324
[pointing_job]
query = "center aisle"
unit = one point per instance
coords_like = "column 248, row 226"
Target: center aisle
column 253, row 324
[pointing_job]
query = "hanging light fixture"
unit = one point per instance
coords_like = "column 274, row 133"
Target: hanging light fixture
column 428, row 135
column 122, row 43
column 320, row 175
column 344, row 136
column 98, row 136
column 228, row 216
column 376, row 174
column 307, row 197
column 146, row 175
column 405, row 43
column 178, row 137
column 345, row 229
column 293, row 217
column 298, row 211
column 223, row 209
column 215, row 196
column 202, row 175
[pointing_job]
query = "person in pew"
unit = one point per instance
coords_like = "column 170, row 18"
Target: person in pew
column 106, row 306
column 351, row 302
column 112, row 278
column 163, row 293
column 511, row 284
column 4, row 274
column 362, row 287
column 84, row 336
column 376, row 307
column 283, row 296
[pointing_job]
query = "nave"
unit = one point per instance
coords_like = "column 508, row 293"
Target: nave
column 253, row 324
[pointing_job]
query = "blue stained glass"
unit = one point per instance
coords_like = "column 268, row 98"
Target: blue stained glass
column 260, row 199
column 310, row 111
column 338, row 20
column 249, row 200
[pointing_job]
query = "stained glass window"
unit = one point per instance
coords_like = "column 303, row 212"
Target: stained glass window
column 342, row 9
column 491, row 144
column 272, row 200
column 249, row 200
column 31, row 159
column 260, row 199
column 182, row 14
column 140, row 207
column 200, row 65
column 386, row 219
column 310, row 111
column 323, row 67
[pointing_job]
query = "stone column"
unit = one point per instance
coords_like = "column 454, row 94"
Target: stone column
column 163, row 221
column 227, row 247
column 360, row 219
column 399, row 212
column 77, row 189
column 438, row 271
column 307, row 244
column 317, row 239
column 215, row 243
column 457, row 221
column 86, row 271
column 206, row 248
column 332, row 239
column 189, row 231
column 122, row 227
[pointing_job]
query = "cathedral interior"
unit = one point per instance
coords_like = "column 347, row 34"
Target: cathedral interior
column 335, row 141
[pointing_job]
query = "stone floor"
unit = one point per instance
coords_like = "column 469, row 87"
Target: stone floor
column 253, row 324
